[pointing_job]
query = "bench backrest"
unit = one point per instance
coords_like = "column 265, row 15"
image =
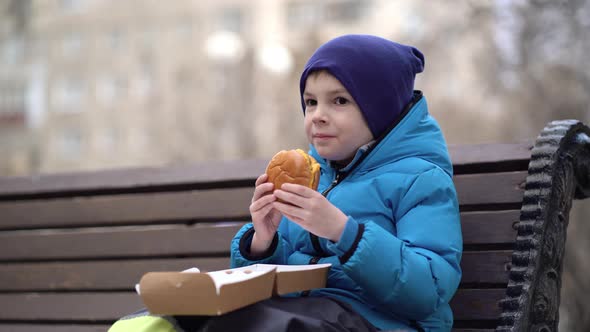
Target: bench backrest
column 72, row 246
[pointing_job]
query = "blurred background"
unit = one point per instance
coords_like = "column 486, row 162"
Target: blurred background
column 96, row 84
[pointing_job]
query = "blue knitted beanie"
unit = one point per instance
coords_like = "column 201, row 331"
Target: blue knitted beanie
column 378, row 73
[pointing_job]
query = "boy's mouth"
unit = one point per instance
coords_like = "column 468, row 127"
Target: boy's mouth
column 322, row 136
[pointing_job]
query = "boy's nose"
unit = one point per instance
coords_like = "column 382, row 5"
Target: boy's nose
column 319, row 116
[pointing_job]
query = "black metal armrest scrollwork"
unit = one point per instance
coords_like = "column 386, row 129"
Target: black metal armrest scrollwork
column 559, row 171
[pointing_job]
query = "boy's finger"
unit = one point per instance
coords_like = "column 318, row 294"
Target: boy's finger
column 262, row 190
column 297, row 189
column 287, row 209
column 290, row 198
column 261, row 179
column 263, row 199
column 265, row 210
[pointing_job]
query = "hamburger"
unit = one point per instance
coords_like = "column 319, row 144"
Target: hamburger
column 293, row 166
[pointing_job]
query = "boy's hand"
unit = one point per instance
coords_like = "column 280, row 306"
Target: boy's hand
column 310, row 210
column 265, row 218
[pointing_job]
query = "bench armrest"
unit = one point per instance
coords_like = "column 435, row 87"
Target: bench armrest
column 558, row 172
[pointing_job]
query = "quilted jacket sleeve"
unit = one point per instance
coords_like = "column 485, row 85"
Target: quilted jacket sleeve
column 278, row 252
column 415, row 271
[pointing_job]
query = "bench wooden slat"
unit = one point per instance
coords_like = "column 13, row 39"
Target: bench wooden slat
column 221, row 171
column 474, row 189
column 477, row 304
column 200, row 239
column 53, row 328
column 170, row 240
column 228, row 204
column 128, row 209
column 96, row 307
column 478, row 267
column 488, row 267
column 98, row 275
column 468, row 304
column 117, row 242
column 499, row 157
column 502, row 230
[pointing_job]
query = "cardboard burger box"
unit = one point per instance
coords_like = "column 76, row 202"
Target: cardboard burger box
column 218, row 292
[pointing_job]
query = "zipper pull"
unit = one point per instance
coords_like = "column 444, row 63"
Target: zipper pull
column 338, row 177
column 336, row 180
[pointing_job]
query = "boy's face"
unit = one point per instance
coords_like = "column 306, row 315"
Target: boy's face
column 334, row 123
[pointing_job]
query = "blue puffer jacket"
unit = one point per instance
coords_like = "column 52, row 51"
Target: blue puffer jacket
column 397, row 262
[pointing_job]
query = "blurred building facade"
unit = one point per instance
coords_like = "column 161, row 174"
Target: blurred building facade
column 15, row 140
column 106, row 84
column 94, row 84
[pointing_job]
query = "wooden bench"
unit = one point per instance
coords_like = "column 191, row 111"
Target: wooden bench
column 72, row 246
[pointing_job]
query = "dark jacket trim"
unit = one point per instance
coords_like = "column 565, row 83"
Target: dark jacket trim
column 315, row 242
column 246, row 243
column 344, row 258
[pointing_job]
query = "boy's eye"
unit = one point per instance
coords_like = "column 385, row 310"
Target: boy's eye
column 341, row 101
column 310, row 102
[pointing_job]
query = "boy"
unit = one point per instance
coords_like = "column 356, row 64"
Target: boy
column 385, row 214
column 388, row 217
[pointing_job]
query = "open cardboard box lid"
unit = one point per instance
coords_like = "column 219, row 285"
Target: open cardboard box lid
column 219, row 292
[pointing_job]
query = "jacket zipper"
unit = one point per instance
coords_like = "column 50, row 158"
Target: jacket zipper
column 315, row 241
column 337, row 179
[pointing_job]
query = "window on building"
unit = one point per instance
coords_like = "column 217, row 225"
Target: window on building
column 110, row 90
column 69, row 143
column 107, row 139
column 303, row 14
column 12, row 100
column 345, row 10
column 68, row 95
column 71, row 44
column 115, row 39
column 70, row 6
column 146, row 38
column 231, row 19
column 13, row 50
column 413, row 25
column 139, row 139
column 184, row 29
column 143, row 86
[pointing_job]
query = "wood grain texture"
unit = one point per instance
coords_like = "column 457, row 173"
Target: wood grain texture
column 118, row 242
column 203, row 239
column 478, row 268
column 94, row 275
column 128, row 209
column 200, row 205
column 472, row 304
column 218, row 173
column 489, row 227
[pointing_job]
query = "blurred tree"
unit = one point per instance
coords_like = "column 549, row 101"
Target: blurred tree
column 19, row 10
column 549, row 69
column 549, row 77
column 529, row 65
